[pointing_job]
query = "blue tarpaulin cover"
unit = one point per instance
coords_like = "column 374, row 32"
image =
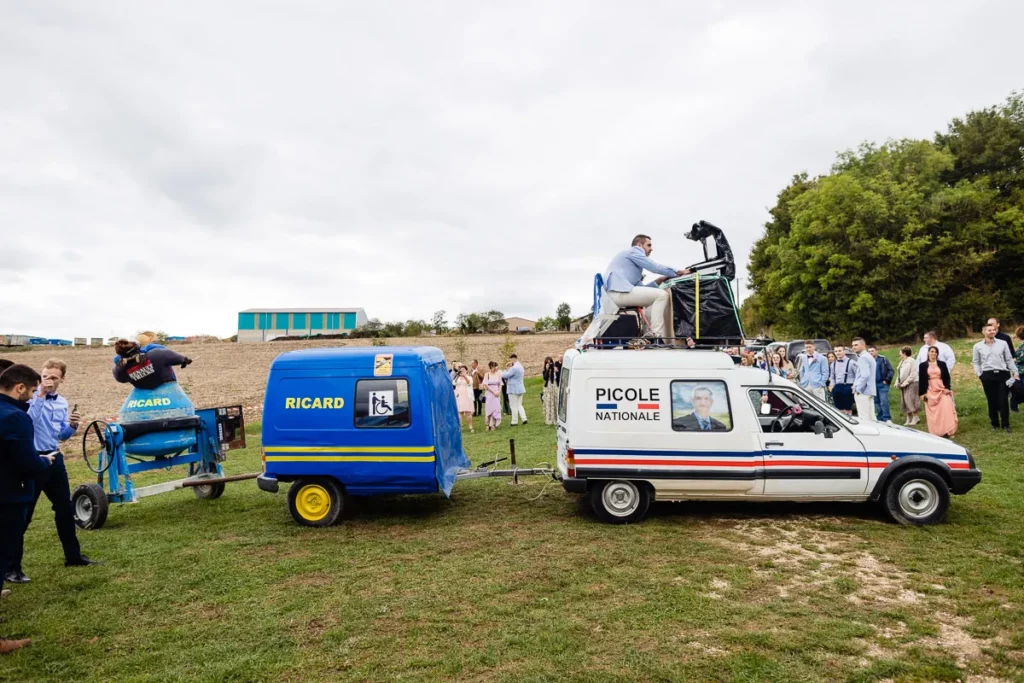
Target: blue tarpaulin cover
column 447, row 431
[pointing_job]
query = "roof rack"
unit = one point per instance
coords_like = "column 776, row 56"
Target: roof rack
column 662, row 343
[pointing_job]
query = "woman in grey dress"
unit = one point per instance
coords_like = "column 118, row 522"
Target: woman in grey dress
column 907, row 379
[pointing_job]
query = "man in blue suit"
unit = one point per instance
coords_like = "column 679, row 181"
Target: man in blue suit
column 514, row 377
column 20, row 466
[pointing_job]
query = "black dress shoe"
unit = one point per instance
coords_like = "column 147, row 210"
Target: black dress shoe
column 82, row 561
column 1007, row 428
column 16, row 577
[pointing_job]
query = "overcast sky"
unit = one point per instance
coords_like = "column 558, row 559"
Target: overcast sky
column 165, row 165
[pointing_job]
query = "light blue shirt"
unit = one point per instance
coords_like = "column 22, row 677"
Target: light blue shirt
column 50, row 421
column 627, row 268
column 865, row 382
column 514, row 379
column 813, row 371
column 704, row 423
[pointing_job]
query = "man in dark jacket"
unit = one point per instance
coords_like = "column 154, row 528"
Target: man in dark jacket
column 20, row 465
column 883, row 379
column 145, row 369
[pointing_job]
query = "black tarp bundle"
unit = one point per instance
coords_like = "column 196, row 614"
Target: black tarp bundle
column 719, row 319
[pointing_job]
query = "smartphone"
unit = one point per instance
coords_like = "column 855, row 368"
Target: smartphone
column 75, row 409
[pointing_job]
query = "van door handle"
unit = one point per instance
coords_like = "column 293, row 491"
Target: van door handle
column 769, row 444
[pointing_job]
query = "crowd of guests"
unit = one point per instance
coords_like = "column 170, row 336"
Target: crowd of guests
column 492, row 392
column 858, row 382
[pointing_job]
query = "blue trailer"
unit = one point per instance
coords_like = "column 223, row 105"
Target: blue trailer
column 358, row 421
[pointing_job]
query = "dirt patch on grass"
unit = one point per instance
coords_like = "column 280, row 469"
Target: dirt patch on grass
column 800, row 561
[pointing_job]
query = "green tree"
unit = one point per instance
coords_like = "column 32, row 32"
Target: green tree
column 415, row 328
column 899, row 238
column 494, row 322
column 563, row 316
column 461, row 348
column 393, row 329
column 546, row 324
column 507, row 349
column 438, row 324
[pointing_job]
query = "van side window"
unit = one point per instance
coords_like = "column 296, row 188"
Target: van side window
column 771, row 405
column 382, row 403
column 700, row 406
column 563, row 393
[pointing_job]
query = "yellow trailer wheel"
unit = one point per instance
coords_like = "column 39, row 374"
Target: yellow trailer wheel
column 316, row 501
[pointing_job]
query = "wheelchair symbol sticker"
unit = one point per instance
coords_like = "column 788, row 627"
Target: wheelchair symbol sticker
column 382, row 403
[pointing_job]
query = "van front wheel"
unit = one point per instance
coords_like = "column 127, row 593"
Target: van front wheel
column 916, row 496
column 620, row 501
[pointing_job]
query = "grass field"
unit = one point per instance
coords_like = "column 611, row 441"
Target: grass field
column 504, row 583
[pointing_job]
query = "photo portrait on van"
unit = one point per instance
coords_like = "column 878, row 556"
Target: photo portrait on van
column 700, row 406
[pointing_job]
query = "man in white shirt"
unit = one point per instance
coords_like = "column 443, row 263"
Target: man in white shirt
column 945, row 352
column 623, row 282
column 995, row 367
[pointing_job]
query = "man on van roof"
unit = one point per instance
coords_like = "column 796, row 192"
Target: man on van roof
column 700, row 419
column 625, row 275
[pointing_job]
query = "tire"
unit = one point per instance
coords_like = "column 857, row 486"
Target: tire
column 90, row 505
column 620, row 501
column 316, row 501
column 209, row 491
column 916, row 496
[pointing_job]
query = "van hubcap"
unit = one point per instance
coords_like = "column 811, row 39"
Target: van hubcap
column 918, row 498
column 313, row 502
column 620, row 498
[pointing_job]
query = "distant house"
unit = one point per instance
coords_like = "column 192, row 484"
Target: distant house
column 582, row 323
column 520, row 324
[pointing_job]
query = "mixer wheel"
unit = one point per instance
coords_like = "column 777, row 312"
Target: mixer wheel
column 90, row 505
column 209, row 491
column 316, row 501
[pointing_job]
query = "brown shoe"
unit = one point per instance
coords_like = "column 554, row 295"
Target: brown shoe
column 12, row 645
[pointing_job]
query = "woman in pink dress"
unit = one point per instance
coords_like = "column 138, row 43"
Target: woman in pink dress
column 934, row 385
column 492, row 394
column 464, row 395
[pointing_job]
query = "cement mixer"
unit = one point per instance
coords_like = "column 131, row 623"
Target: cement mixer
column 156, row 429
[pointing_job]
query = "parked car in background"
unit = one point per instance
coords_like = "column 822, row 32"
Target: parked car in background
column 794, row 348
column 755, row 345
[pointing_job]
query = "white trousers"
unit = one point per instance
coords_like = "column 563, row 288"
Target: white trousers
column 817, row 392
column 515, row 405
column 865, row 407
column 653, row 299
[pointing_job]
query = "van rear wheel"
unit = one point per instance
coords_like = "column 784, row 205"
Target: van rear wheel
column 620, row 501
column 316, row 501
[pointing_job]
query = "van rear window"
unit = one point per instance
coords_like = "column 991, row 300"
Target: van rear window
column 382, row 403
column 563, row 393
column 700, row 406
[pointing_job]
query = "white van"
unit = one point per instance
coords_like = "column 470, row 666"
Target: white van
column 680, row 424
